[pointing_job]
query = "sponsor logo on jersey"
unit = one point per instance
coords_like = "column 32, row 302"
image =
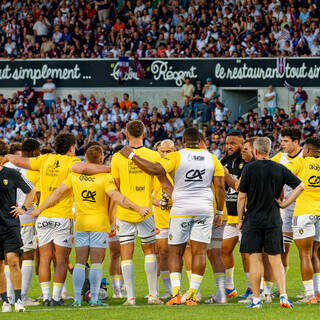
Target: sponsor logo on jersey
column 241, row 165
column 88, row 195
column 5, row 182
column 314, row 166
column 314, row 181
column 195, row 175
column 192, row 157
column 301, row 231
column 140, row 188
column 86, row 178
column 170, row 236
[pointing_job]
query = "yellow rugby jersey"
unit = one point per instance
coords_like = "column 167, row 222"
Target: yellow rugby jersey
column 308, row 171
column 277, row 157
column 54, row 169
column 135, row 184
column 161, row 217
column 91, row 200
column 283, row 158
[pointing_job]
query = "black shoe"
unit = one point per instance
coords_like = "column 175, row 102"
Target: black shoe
column 55, row 303
column 63, row 303
column 46, row 303
column 59, row 303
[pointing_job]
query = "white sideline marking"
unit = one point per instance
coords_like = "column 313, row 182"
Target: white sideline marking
column 52, row 309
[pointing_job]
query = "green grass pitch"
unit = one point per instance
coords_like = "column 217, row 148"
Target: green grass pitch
column 142, row 311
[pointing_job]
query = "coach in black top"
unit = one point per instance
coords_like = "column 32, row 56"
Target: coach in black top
column 10, row 239
column 261, row 184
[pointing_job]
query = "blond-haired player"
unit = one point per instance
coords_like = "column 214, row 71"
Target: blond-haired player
column 161, row 219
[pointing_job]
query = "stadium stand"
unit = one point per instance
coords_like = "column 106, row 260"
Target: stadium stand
column 104, row 29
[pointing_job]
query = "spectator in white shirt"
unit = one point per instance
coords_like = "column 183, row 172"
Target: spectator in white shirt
column 209, row 89
column 315, row 107
column 315, row 48
column 215, row 150
column 187, row 89
column 48, row 92
column 10, row 48
column 271, row 98
column 41, row 28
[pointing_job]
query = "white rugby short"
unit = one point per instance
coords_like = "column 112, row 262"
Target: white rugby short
column 92, row 239
column 162, row 233
column 145, row 229
column 217, row 233
column 183, row 229
column 286, row 216
column 29, row 239
column 56, row 230
column 306, row 226
column 231, row 231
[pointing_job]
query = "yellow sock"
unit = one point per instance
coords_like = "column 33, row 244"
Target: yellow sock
column 176, row 291
column 192, row 294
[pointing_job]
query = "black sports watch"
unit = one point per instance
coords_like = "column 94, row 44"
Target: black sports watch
column 24, row 208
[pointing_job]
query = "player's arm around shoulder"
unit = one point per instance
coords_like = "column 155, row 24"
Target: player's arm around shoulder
column 88, row 168
column 154, row 169
column 54, row 197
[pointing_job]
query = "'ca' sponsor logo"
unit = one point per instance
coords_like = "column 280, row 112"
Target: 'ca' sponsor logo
column 88, row 195
column 314, row 181
column 195, row 175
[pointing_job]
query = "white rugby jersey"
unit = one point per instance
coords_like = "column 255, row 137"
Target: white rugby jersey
column 192, row 171
column 26, row 217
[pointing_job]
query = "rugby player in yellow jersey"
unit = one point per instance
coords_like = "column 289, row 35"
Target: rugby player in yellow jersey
column 55, row 225
column 306, row 217
column 193, row 170
column 290, row 144
column 29, row 148
column 161, row 219
column 92, row 224
column 136, row 186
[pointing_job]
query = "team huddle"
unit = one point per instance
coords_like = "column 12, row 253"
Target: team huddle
column 183, row 205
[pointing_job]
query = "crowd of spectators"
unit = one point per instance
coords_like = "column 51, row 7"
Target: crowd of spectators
column 158, row 28
column 42, row 117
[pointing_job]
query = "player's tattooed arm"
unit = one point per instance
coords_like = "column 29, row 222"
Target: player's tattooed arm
column 233, row 183
column 124, row 202
column 90, row 168
column 165, row 184
column 154, row 169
